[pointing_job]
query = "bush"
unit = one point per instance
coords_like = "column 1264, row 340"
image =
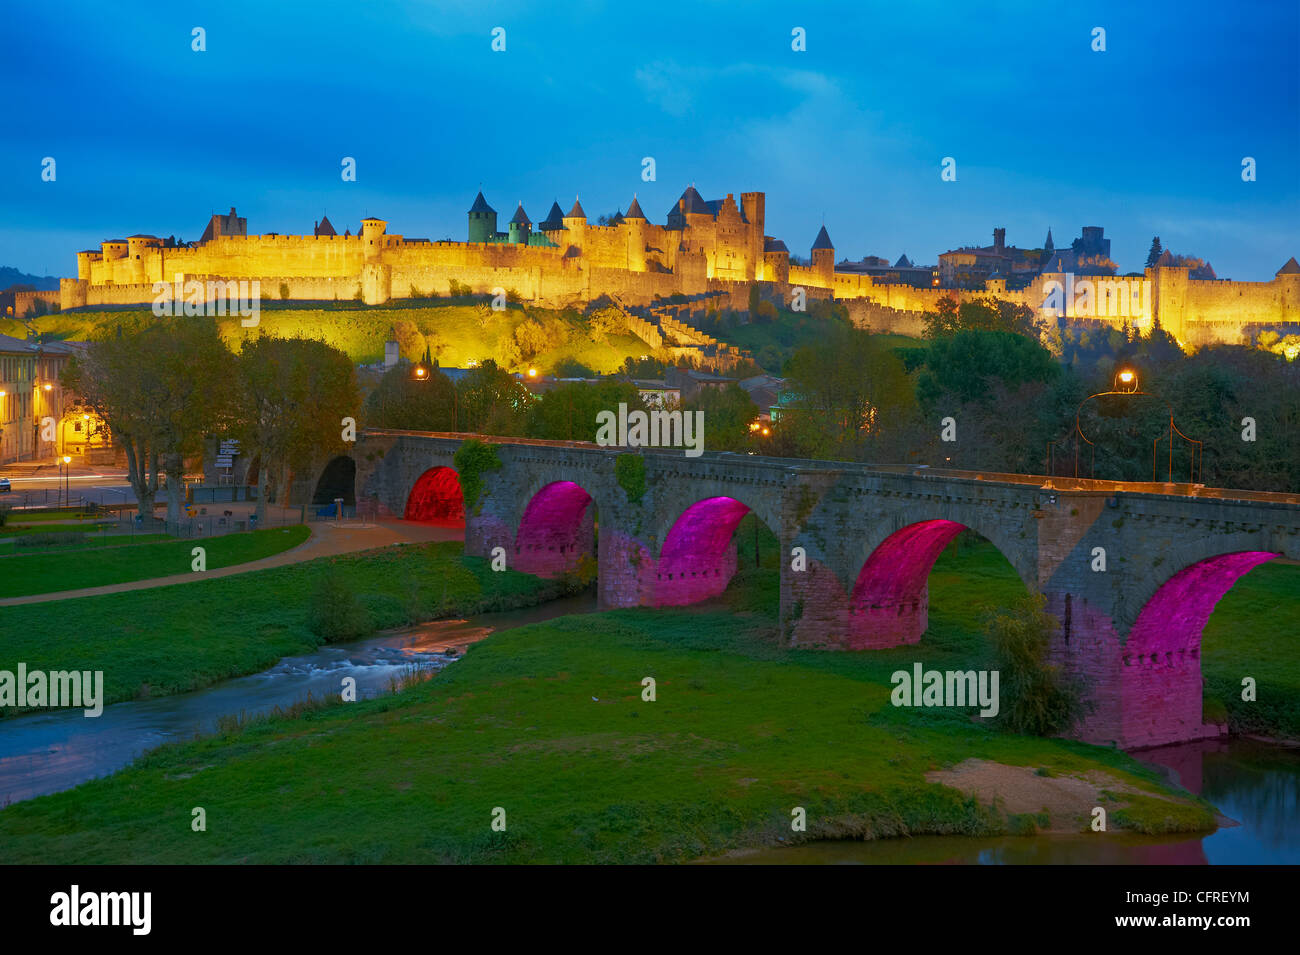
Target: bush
column 335, row 613
column 1036, row 699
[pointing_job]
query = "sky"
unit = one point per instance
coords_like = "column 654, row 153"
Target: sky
column 1146, row 138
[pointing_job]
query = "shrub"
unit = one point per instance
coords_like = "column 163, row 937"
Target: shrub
column 335, row 613
column 1036, row 699
column 629, row 469
column 471, row 460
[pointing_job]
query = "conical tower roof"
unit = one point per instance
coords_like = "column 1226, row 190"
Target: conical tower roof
column 325, row 227
column 480, row 204
column 520, row 216
column 576, row 212
column 823, row 240
column 1290, row 268
column 554, row 219
column 634, row 210
column 692, row 202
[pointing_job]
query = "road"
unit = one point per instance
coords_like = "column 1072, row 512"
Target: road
column 101, row 485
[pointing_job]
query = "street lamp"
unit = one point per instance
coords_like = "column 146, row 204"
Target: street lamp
column 1126, row 384
column 63, row 466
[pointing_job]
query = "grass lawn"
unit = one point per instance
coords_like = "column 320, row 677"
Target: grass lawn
column 8, row 543
column 23, row 574
column 84, row 527
column 79, row 518
column 548, row 722
column 186, row 636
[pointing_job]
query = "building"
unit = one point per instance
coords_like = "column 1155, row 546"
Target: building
column 708, row 254
column 39, row 419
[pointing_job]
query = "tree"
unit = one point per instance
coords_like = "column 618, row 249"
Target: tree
column 293, row 394
column 985, row 314
column 1156, row 251
column 160, row 387
column 568, row 412
column 492, row 401
column 403, row 402
column 963, row 366
column 849, row 391
column 728, row 413
column 1036, row 698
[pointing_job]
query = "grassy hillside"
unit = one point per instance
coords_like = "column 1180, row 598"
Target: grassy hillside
column 455, row 331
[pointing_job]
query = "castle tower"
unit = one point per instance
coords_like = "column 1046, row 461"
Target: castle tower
column 146, row 260
column 372, row 237
column 520, row 226
column 554, row 220
column 1289, row 278
column 823, row 257
column 576, row 223
column 482, row 220
column 1049, row 247
column 84, row 261
column 776, row 261
column 635, row 225
column 999, row 240
column 753, row 208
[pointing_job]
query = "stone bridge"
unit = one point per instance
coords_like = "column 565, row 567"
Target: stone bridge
column 1132, row 571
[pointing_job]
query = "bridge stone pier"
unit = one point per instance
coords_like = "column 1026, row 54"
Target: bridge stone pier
column 1131, row 571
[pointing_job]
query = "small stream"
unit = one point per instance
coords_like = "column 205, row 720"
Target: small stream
column 48, row 752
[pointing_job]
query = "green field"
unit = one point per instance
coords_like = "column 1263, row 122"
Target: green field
column 548, row 722
column 22, row 574
column 186, row 636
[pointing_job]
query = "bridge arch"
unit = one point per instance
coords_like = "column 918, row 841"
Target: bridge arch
column 1169, row 625
column 337, row 479
column 698, row 557
column 556, row 530
column 436, row 498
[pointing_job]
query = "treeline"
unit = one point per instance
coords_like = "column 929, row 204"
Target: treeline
column 490, row 400
column 164, row 386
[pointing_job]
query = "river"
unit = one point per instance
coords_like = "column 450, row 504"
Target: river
column 48, row 752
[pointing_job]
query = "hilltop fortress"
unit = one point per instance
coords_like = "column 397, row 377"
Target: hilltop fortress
column 711, row 252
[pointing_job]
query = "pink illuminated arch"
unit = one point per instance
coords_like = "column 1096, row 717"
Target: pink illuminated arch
column 556, row 530
column 897, row 572
column 698, row 559
column 1172, row 620
column 436, row 498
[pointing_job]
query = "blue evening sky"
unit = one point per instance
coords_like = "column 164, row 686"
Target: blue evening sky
column 1146, row 138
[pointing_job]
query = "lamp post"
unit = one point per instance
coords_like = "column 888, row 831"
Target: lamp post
column 1126, row 384
column 63, row 465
